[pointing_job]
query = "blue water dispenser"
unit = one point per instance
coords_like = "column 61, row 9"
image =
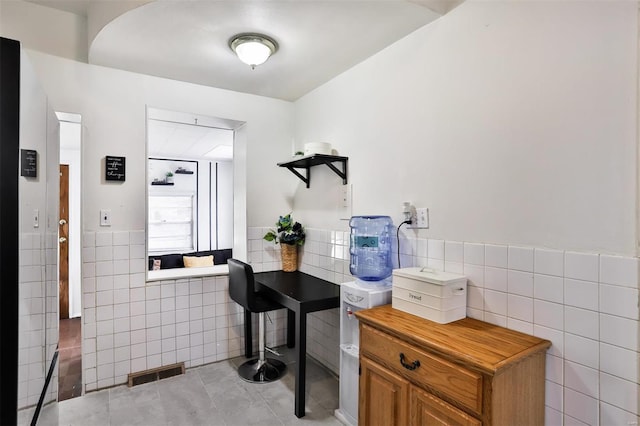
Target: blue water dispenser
column 370, row 249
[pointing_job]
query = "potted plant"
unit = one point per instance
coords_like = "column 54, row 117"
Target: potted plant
column 169, row 177
column 290, row 235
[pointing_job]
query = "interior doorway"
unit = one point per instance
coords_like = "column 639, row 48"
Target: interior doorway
column 69, row 259
column 63, row 239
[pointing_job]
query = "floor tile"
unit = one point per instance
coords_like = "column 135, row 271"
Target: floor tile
column 90, row 409
column 212, row 394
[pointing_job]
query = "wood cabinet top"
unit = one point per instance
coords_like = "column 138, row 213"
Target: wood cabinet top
column 485, row 346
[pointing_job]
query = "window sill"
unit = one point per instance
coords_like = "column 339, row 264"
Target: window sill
column 179, row 273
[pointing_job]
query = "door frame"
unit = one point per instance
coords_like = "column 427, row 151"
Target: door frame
column 9, row 165
column 63, row 246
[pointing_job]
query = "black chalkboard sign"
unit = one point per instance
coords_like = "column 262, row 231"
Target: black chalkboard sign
column 28, row 163
column 114, row 168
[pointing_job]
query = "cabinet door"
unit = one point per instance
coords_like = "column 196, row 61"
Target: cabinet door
column 428, row 410
column 383, row 395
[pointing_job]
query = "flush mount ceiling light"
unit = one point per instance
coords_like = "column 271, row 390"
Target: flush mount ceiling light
column 253, row 49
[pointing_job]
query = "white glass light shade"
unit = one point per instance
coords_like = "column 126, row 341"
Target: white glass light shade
column 253, row 53
column 253, row 49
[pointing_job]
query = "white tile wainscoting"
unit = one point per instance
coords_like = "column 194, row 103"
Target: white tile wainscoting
column 325, row 254
column 585, row 303
column 38, row 316
column 130, row 325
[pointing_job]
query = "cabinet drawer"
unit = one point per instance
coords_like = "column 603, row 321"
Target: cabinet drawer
column 427, row 410
column 444, row 377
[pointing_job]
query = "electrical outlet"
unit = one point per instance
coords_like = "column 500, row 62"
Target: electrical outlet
column 422, row 218
column 345, row 194
column 105, row 217
column 407, row 211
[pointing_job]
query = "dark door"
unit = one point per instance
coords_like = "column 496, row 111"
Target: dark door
column 63, row 234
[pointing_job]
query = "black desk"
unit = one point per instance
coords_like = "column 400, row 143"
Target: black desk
column 300, row 293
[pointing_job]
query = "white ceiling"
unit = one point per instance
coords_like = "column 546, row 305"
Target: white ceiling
column 167, row 139
column 177, row 135
column 187, row 40
column 79, row 7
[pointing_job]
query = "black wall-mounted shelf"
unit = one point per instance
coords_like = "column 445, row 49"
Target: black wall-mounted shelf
column 183, row 172
column 309, row 161
column 159, row 182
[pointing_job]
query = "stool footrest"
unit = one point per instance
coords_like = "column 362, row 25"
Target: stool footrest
column 273, row 351
column 262, row 371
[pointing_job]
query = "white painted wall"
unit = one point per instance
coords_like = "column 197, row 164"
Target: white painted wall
column 514, row 122
column 225, row 204
column 37, row 275
column 46, row 29
column 112, row 104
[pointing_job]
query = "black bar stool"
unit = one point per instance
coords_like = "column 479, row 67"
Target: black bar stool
column 242, row 291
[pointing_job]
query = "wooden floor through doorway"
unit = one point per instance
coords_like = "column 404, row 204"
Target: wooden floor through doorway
column 69, row 359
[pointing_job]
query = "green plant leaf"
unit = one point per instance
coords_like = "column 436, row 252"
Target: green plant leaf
column 287, row 232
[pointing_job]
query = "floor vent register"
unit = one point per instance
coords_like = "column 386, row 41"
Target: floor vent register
column 154, row 374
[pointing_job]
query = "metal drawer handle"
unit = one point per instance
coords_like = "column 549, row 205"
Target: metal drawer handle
column 415, row 364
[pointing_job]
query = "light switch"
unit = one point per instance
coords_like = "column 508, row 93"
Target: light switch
column 422, row 218
column 36, row 218
column 105, row 217
column 344, row 195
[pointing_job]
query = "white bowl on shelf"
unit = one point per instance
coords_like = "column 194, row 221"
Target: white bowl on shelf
column 317, row 148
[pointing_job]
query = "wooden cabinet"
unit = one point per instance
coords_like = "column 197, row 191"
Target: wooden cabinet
column 427, row 409
column 417, row 372
column 387, row 396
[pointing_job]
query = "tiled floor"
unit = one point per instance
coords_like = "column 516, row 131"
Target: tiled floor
column 69, row 359
column 209, row 395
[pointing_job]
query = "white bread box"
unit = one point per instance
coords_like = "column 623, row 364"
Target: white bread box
column 435, row 295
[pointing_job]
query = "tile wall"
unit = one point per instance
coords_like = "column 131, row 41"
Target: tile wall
column 586, row 304
column 325, row 254
column 52, row 311
column 130, row 325
column 38, row 289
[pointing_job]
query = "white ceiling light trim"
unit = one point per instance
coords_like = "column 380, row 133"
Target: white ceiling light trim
column 253, row 49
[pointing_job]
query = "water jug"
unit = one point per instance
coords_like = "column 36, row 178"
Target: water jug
column 370, row 247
